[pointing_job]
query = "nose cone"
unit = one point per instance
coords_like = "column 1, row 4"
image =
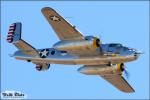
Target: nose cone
column 133, row 52
column 137, row 53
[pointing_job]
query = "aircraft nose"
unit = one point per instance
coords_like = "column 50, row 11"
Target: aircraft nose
column 134, row 52
column 137, row 53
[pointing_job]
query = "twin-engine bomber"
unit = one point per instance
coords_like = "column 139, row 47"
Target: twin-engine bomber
column 97, row 58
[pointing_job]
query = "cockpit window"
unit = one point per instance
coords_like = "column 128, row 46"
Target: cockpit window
column 63, row 51
column 115, row 45
column 125, row 48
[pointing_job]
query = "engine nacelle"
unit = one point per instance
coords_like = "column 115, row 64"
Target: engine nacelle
column 102, row 70
column 42, row 67
column 89, row 43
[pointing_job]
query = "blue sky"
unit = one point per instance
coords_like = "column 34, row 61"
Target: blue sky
column 123, row 22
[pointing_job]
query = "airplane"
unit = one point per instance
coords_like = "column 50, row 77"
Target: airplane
column 96, row 58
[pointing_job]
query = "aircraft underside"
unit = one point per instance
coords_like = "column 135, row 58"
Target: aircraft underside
column 74, row 60
column 96, row 58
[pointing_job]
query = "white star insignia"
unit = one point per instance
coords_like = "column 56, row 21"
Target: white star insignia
column 55, row 18
column 44, row 53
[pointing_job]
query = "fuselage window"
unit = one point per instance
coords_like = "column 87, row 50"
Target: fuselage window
column 114, row 45
column 63, row 51
column 125, row 48
column 52, row 52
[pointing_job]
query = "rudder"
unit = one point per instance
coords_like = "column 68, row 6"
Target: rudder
column 14, row 33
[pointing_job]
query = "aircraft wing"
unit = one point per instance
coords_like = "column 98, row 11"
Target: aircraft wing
column 119, row 82
column 63, row 29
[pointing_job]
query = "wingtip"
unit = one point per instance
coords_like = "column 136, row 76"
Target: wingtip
column 128, row 91
column 46, row 8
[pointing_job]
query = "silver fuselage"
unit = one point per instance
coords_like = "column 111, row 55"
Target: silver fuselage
column 109, row 55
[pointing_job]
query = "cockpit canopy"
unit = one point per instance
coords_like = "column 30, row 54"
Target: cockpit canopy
column 115, row 45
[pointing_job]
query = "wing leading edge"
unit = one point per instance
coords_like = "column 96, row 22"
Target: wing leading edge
column 63, row 29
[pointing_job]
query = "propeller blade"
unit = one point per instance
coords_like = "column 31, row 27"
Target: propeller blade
column 127, row 75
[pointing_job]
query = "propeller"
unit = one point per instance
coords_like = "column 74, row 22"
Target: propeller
column 98, row 43
column 127, row 74
column 124, row 69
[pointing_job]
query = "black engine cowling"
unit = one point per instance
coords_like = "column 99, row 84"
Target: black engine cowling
column 121, row 67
